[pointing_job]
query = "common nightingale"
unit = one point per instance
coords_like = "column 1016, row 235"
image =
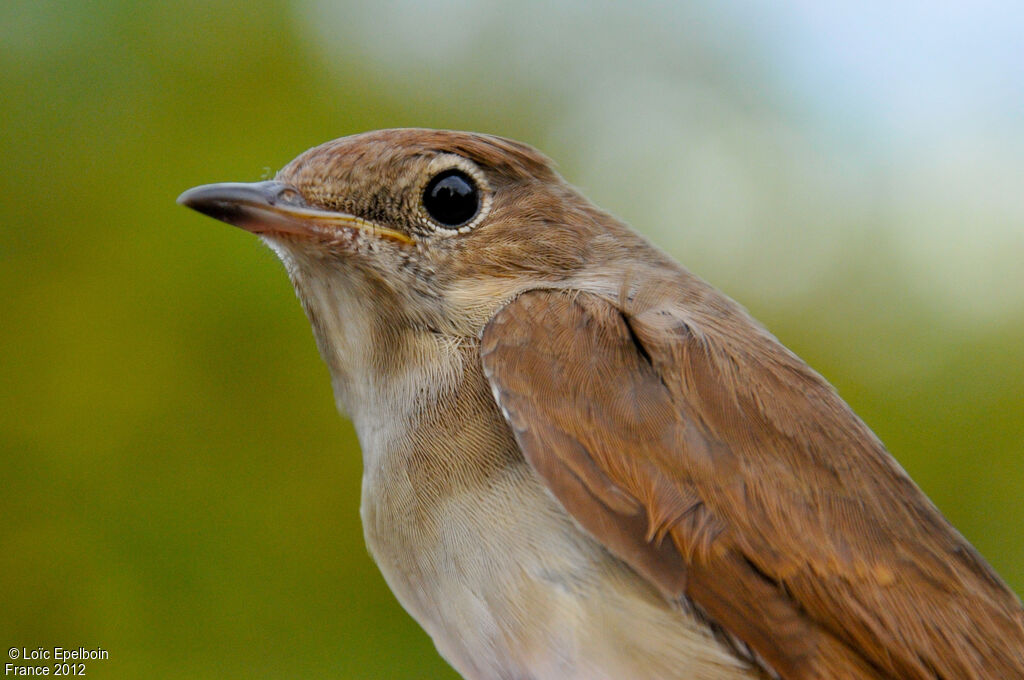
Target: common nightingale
column 581, row 460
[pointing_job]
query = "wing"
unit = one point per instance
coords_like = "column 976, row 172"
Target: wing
column 719, row 466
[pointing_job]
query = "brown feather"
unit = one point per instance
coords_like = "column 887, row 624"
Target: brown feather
column 672, row 427
column 791, row 527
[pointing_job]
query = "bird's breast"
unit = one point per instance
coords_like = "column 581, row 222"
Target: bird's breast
column 492, row 567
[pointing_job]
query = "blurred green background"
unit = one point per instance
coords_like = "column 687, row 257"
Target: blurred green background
column 176, row 486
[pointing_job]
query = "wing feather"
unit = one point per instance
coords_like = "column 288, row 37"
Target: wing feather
column 724, row 470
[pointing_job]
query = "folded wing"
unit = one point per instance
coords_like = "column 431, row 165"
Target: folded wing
column 724, row 470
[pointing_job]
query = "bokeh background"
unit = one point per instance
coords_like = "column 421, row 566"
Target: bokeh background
column 175, row 486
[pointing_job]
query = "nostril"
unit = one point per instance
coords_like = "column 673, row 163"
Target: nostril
column 290, row 196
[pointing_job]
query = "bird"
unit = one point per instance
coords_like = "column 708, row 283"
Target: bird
column 582, row 461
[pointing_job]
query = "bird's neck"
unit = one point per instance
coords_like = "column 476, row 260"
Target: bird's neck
column 390, row 375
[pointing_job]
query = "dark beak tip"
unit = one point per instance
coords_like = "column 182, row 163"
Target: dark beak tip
column 204, row 197
column 187, row 198
column 225, row 202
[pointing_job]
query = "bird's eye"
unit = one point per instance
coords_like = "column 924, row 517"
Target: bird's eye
column 451, row 198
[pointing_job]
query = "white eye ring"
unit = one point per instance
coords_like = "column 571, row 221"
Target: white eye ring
column 441, row 164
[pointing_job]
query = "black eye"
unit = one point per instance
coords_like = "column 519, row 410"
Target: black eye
column 451, row 198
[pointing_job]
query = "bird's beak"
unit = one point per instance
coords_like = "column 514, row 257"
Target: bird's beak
column 275, row 208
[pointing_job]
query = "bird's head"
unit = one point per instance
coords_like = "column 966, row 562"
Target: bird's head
column 414, row 237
